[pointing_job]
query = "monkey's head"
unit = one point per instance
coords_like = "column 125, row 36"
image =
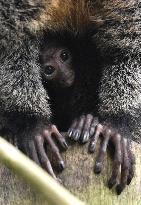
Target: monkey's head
column 56, row 61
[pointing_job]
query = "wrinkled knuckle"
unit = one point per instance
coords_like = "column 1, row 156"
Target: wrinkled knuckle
column 82, row 117
column 99, row 126
column 38, row 138
column 89, row 116
column 92, row 131
column 108, row 131
column 124, row 141
column 53, row 126
column 94, row 124
column 45, row 132
column 118, row 136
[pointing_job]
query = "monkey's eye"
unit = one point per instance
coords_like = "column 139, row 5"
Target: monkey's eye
column 49, row 70
column 64, row 55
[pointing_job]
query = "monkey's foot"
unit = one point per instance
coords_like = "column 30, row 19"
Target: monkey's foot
column 37, row 148
column 83, row 128
column 124, row 161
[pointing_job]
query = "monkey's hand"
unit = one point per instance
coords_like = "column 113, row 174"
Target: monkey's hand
column 36, row 148
column 83, row 128
column 123, row 163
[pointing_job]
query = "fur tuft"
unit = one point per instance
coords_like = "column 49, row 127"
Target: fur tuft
column 104, row 11
column 77, row 16
column 73, row 15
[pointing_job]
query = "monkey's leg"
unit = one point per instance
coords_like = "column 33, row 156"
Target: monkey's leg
column 123, row 157
column 83, row 128
column 35, row 148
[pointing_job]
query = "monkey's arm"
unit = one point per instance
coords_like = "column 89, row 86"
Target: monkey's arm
column 119, row 110
column 24, row 106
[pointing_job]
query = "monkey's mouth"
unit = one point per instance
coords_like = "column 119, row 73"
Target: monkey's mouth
column 69, row 82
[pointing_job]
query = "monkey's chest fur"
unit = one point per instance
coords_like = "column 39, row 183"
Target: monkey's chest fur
column 60, row 103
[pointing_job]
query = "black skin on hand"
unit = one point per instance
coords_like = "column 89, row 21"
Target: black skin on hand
column 36, row 148
column 123, row 156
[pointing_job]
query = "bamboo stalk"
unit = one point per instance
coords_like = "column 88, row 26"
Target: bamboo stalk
column 36, row 176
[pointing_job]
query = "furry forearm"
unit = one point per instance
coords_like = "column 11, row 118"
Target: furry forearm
column 20, row 83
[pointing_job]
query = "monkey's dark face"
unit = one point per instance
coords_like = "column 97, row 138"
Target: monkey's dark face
column 57, row 66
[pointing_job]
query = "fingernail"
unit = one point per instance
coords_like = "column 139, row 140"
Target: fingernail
column 85, row 137
column 119, row 189
column 61, row 165
column 97, row 168
column 129, row 181
column 88, row 136
column 111, row 183
column 70, row 133
column 77, row 136
column 92, row 147
column 65, row 145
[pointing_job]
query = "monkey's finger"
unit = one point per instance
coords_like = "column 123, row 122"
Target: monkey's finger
column 124, row 168
column 23, row 146
column 93, row 126
column 95, row 138
column 54, row 149
column 71, row 129
column 13, row 140
column 77, row 127
column 45, row 163
column 87, row 124
column 59, row 137
column 117, row 160
column 131, row 167
column 32, row 152
column 102, row 151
